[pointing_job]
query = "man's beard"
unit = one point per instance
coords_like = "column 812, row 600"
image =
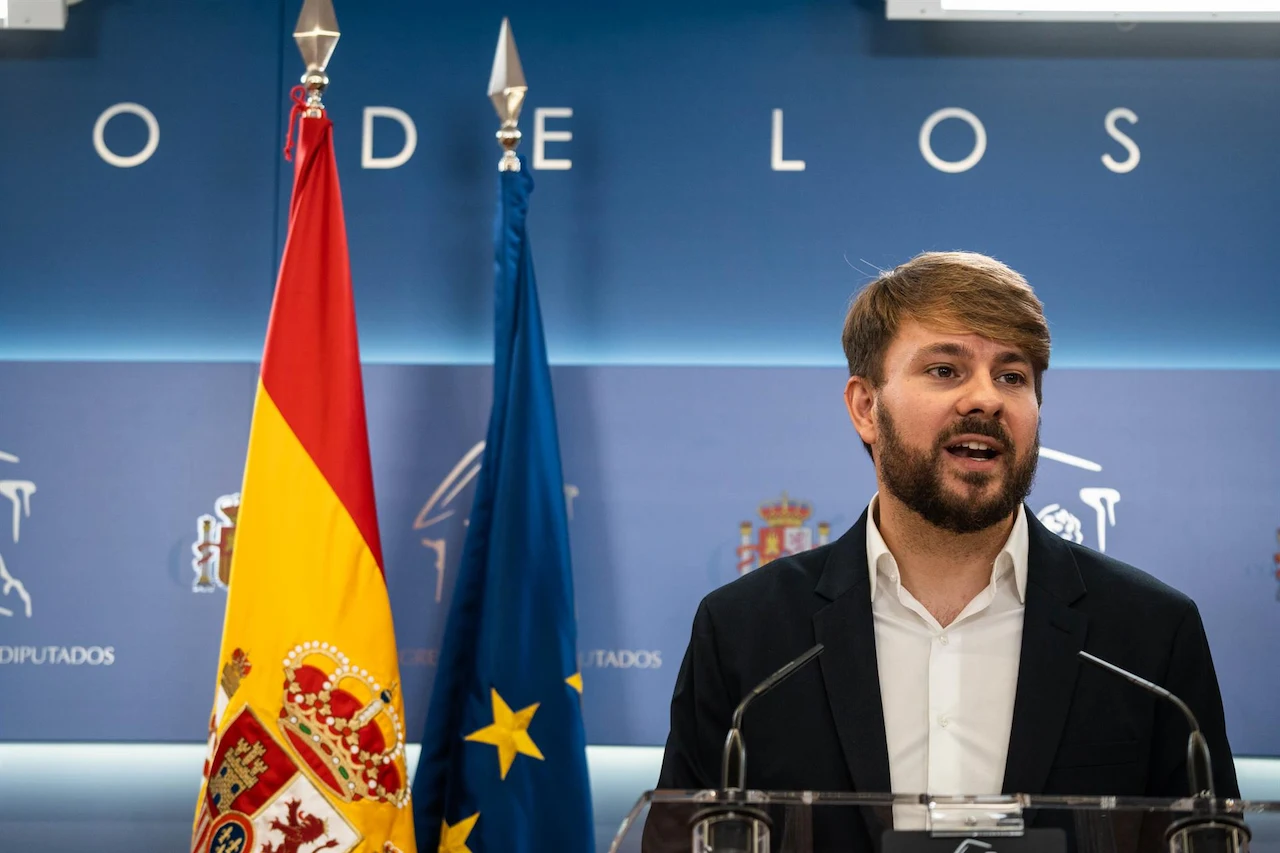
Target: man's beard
column 915, row 477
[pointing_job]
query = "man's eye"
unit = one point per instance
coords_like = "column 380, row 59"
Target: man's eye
column 942, row 371
column 1013, row 379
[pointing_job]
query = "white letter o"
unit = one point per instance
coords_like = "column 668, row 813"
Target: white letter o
column 153, row 136
column 953, row 166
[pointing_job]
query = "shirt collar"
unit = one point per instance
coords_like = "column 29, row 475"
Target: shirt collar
column 1012, row 556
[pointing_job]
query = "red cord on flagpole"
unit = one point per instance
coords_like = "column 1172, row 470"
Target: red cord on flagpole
column 298, row 94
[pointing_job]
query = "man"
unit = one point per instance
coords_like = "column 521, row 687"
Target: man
column 951, row 617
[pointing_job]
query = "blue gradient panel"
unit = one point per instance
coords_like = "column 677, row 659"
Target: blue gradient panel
column 173, row 255
column 670, row 240
column 662, row 465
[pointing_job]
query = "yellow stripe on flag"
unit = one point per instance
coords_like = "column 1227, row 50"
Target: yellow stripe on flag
column 301, row 567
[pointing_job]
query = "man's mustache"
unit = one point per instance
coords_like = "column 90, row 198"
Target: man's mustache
column 978, row 426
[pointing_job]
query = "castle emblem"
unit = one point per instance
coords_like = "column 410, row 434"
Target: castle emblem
column 241, row 766
column 215, row 544
column 784, row 533
column 344, row 725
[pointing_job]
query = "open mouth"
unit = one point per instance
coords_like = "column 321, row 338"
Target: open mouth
column 975, row 449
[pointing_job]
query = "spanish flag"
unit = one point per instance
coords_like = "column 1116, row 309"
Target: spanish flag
column 306, row 744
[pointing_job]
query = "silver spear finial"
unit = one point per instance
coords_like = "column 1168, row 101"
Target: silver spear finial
column 507, row 89
column 317, row 35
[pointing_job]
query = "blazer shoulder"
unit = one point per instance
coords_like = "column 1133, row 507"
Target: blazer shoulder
column 784, row 581
column 1123, row 583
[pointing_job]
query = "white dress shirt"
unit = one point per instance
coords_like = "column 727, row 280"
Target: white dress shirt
column 947, row 692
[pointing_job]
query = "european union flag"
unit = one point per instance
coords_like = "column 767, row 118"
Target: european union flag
column 504, row 765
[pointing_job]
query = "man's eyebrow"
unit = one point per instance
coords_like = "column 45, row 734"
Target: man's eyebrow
column 1012, row 357
column 957, row 350
column 947, row 348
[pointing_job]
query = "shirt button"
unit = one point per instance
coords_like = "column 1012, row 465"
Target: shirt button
column 943, row 639
column 944, row 721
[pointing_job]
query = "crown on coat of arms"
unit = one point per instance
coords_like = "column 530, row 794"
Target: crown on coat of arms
column 785, row 512
column 344, row 724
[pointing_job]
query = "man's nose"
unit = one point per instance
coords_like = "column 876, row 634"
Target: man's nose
column 980, row 396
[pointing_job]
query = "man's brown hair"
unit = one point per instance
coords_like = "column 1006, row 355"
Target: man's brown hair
column 958, row 292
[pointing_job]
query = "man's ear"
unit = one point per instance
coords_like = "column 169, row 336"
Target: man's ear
column 860, row 400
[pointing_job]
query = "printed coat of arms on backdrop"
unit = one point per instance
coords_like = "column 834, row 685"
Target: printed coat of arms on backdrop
column 785, row 532
column 215, row 544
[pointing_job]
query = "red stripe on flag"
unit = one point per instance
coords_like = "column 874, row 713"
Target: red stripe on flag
column 203, row 821
column 311, row 366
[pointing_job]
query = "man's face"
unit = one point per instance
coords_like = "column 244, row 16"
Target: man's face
column 954, row 427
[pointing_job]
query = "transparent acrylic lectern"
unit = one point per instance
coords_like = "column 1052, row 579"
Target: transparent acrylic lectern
column 736, row 821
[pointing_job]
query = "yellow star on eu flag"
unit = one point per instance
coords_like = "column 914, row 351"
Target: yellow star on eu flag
column 453, row 839
column 575, row 681
column 509, row 733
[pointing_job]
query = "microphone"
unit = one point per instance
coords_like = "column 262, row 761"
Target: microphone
column 733, row 742
column 1200, row 783
column 732, row 825
column 1214, row 832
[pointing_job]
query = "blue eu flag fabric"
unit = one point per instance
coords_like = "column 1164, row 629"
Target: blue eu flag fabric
column 503, row 765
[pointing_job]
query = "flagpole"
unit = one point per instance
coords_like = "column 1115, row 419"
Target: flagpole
column 317, row 35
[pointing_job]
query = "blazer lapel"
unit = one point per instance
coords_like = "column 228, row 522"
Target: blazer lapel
column 1052, row 634
column 849, row 669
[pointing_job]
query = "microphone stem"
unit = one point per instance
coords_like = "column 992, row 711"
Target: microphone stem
column 772, row 682
column 733, row 742
column 1197, row 746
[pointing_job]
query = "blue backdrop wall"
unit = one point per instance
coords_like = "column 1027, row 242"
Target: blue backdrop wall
column 733, row 172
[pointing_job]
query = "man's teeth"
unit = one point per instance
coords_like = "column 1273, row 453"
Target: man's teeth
column 975, row 445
